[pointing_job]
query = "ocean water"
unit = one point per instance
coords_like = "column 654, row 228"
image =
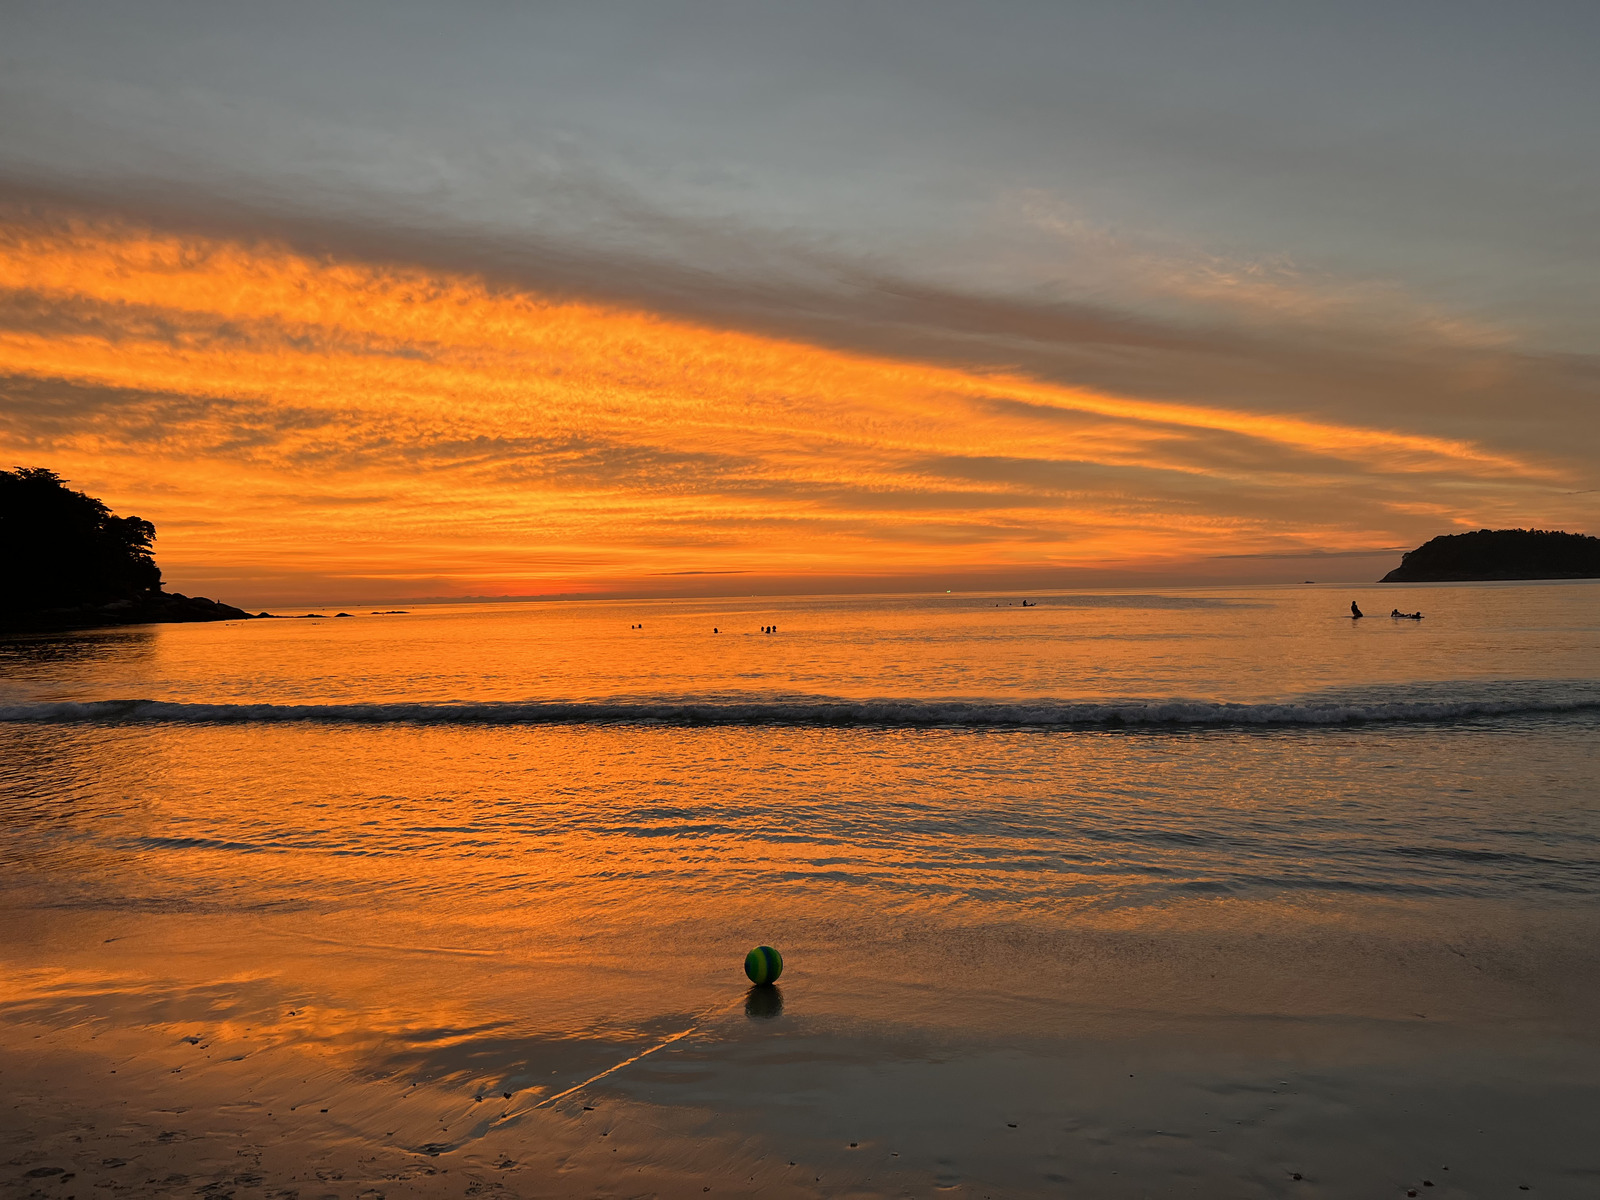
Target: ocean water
column 1181, row 892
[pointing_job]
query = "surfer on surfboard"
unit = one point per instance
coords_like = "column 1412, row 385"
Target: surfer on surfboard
column 1355, row 613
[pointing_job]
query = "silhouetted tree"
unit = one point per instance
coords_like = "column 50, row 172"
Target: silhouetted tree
column 60, row 548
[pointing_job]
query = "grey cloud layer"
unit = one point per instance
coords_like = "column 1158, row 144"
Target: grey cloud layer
column 1446, row 145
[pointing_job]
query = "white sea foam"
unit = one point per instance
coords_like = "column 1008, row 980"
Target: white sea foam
column 926, row 713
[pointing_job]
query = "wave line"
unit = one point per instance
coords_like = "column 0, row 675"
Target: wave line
column 844, row 713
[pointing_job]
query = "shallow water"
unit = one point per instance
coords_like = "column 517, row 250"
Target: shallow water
column 1205, row 889
column 1257, row 646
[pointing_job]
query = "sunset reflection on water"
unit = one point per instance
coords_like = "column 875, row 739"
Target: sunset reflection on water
column 402, row 917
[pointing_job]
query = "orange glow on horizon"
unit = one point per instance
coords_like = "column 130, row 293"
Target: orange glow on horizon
column 281, row 417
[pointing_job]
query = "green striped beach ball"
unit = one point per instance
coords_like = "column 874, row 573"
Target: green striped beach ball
column 763, row 965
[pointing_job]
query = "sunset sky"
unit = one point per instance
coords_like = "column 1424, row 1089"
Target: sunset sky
column 364, row 302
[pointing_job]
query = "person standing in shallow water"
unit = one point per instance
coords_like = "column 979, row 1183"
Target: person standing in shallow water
column 1355, row 613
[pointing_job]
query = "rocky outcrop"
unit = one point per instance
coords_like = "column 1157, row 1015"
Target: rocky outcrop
column 152, row 608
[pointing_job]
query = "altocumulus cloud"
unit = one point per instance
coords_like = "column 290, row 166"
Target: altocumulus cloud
column 250, row 396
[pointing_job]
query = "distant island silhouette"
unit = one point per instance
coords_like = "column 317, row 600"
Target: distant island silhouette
column 71, row 563
column 1490, row 554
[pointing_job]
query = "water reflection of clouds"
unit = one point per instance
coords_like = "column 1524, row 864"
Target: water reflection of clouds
column 50, row 664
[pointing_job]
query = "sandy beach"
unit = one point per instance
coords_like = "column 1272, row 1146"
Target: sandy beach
column 1374, row 1066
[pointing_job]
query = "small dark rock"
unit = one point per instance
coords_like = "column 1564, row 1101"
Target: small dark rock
column 41, row 1172
column 1296, row 1175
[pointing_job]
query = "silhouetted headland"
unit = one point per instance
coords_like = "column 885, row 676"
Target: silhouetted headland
column 71, row 563
column 1500, row 554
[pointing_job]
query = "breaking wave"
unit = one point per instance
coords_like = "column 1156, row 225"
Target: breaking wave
column 1044, row 714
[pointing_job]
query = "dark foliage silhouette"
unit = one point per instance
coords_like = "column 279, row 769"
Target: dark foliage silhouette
column 68, row 559
column 63, row 548
column 1500, row 554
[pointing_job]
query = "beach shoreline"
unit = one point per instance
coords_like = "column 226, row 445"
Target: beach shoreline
column 166, row 1056
column 1183, row 959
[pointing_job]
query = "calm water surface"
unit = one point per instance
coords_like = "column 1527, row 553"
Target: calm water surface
column 1181, row 886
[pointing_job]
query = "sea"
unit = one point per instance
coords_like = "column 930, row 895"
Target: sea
column 1141, row 892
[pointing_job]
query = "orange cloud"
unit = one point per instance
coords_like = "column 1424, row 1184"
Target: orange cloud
column 278, row 415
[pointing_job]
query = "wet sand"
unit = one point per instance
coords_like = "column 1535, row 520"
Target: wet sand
column 128, row 1068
